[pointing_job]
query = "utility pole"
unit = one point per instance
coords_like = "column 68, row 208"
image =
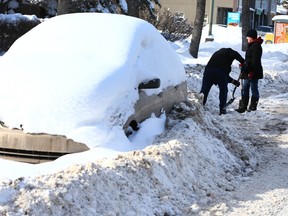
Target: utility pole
column 269, row 19
column 210, row 37
column 211, row 17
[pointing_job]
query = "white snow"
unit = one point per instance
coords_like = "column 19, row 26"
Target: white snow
column 196, row 166
column 79, row 89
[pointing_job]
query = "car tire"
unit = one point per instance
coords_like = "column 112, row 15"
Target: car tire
column 134, row 125
column 268, row 42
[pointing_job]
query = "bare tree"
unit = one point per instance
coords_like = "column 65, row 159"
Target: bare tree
column 171, row 25
column 245, row 22
column 197, row 29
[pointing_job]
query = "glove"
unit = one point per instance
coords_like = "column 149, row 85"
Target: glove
column 244, row 68
column 250, row 75
column 236, row 83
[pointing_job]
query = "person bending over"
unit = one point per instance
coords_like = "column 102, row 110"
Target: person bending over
column 217, row 72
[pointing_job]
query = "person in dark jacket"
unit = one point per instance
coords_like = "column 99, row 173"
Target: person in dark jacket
column 217, row 72
column 252, row 71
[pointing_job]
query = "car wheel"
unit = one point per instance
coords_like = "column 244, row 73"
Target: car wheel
column 134, row 125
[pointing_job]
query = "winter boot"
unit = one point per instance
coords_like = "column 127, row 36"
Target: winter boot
column 223, row 111
column 253, row 104
column 243, row 103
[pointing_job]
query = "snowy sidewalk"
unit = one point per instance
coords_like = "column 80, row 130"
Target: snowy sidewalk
column 265, row 192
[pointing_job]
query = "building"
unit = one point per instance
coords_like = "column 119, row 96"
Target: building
column 261, row 11
column 187, row 9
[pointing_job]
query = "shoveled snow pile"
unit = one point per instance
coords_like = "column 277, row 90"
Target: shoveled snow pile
column 189, row 165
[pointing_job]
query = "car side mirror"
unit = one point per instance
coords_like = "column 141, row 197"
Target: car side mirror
column 150, row 84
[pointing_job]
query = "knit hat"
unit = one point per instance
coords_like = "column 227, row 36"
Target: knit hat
column 252, row 33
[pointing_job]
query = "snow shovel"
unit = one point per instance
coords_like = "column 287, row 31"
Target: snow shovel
column 233, row 97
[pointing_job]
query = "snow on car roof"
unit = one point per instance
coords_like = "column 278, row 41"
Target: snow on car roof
column 77, row 74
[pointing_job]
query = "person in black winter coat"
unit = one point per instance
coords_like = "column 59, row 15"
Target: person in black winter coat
column 217, row 72
column 252, row 71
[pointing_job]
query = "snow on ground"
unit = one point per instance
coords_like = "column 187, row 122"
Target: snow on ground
column 202, row 164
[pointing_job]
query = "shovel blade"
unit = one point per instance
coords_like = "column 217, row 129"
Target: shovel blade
column 230, row 101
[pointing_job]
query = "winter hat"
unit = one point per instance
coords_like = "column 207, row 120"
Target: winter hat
column 252, row 33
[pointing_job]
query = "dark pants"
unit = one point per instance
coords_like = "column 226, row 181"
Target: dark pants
column 218, row 77
column 250, row 84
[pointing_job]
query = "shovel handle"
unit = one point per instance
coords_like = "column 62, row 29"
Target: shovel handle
column 233, row 97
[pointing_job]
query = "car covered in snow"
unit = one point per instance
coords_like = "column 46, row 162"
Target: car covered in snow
column 84, row 75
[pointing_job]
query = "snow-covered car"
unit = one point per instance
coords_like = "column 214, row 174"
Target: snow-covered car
column 88, row 76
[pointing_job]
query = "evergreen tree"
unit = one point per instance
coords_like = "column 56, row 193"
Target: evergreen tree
column 130, row 7
column 148, row 5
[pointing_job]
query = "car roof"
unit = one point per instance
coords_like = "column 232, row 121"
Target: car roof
column 264, row 27
column 97, row 40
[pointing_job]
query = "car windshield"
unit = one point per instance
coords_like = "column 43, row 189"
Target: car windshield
column 265, row 29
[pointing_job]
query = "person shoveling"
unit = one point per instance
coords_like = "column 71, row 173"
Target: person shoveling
column 217, row 72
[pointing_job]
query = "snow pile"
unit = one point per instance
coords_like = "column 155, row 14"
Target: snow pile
column 200, row 157
column 186, row 167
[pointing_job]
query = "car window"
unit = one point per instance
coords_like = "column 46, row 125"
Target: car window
column 265, row 29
